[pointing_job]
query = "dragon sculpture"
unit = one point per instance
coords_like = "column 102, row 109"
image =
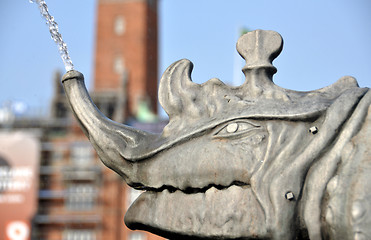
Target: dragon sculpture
column 255, row 161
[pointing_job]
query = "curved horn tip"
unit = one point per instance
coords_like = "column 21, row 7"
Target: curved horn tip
column 72, row 74
column 348, row 81
column 182, row 62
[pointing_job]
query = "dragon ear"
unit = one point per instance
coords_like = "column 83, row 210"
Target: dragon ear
column 176, row 90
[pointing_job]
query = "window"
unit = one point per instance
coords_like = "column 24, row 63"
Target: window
column 137, row 236
column 79, row 234
column 81, row 153
column 118, row 65
column 57, row 155
column 119, row 25
column 81, row 197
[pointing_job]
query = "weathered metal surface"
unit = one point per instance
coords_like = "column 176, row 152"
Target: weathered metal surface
column 250, row 162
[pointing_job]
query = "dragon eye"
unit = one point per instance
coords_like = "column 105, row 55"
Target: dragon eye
column 236, row 128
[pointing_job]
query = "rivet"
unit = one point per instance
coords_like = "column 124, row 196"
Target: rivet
column 313, row 130
column 231, row 128
column 290, row 196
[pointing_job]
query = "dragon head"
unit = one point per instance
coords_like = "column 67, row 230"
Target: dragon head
column 233, row 162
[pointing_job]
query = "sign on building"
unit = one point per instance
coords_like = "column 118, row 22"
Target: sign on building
column 19, row 161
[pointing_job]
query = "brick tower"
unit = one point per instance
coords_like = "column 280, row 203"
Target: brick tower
column 126, row 55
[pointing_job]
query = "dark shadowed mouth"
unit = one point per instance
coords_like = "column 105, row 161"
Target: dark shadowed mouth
column 188, row 190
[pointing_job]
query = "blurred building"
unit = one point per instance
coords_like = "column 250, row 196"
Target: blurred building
column 19, row 165
column 78, row 197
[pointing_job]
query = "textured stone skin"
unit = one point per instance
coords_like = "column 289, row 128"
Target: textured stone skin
column 250, row 162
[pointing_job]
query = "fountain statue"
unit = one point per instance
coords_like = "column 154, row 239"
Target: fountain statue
column 251, row 162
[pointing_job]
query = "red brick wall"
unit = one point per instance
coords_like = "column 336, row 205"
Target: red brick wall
column 137, row 45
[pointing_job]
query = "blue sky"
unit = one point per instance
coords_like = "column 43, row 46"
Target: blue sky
column 323, row 40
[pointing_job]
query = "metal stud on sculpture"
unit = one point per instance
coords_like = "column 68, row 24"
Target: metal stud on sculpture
column 238, row 162
column 313, row 130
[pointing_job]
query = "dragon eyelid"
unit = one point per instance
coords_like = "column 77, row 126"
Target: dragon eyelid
column 235, row 128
